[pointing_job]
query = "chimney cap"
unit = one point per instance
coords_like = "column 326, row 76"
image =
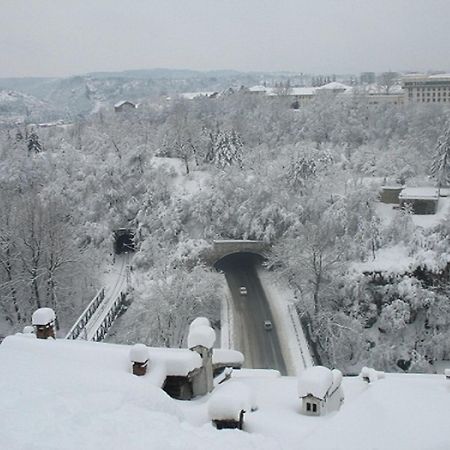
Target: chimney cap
column 43, row 316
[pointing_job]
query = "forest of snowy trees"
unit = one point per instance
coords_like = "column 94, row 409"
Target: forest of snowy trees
column 296, row 179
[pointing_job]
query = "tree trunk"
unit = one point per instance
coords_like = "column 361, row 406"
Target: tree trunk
column 35, row 287
column 186, row 163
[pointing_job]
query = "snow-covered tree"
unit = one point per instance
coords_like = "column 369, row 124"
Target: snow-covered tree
column 440, row 167
column 33, row 144
column 226, row 149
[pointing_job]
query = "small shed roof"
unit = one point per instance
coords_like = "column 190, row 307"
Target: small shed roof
column 419, row 193
column 124, row 102
column 315, row 381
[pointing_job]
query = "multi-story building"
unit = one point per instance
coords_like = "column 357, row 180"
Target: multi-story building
column 427, row 88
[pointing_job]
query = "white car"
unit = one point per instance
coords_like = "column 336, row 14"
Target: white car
column 268, row 325
column 243, row 290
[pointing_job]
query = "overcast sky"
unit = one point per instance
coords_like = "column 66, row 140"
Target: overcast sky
column 62, row 37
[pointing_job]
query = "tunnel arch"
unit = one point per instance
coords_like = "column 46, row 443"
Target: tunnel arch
column 224, row 248
column 237, row 257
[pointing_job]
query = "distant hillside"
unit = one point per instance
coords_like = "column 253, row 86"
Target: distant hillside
column 84, row 94
column 20, row 106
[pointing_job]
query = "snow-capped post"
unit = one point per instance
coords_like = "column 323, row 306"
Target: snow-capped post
column 370, row 375
column 447, row 373
column 43, row 320
column 227, row 406
column 201, row 339
column 139, row 359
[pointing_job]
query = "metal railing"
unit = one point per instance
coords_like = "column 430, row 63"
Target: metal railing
column 90, row 310
column 299, row 334
column 108, row 320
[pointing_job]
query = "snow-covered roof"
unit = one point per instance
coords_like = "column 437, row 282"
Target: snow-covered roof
column 419, row 193
column 302, row 91
column 258, row 88
column 315, row 381
column 43, row 316
column 192, row 95
column 439, row 76
column 109, row 357
column 124, row 102
column 225, row 356
column 415, row 75
column 334, row 86
column 176, row 361
column 79, row 394
column 201, row 335
column 425, row 77
column 293, row 91
column 139, row 353
column 229, row 400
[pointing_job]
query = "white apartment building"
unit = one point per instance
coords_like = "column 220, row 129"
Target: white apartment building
column 427, row 88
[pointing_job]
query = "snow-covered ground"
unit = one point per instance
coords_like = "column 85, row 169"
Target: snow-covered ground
column 184, row 185
column 393, row 260
column 76, row 394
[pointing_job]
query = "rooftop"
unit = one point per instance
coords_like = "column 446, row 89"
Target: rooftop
column 419, row 193
column 334, row 85
column 76, row 394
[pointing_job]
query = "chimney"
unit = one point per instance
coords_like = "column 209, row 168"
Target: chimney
column 139, row 358
column 201, row 339
column 43, row 320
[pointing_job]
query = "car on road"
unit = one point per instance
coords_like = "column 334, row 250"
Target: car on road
column 268, row 325
column 243, row 290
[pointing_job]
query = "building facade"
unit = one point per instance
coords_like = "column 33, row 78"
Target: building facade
column 427, row 88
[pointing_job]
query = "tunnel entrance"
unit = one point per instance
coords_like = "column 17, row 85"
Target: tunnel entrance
column 238, row 260
column 123, row 241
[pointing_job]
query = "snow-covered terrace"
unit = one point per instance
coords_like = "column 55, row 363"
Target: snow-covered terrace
column 72, row 394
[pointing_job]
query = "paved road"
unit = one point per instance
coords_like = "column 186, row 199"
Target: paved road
column 261, row 348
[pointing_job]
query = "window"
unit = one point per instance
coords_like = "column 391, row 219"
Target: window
column 308, row 406
column 314, row 407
